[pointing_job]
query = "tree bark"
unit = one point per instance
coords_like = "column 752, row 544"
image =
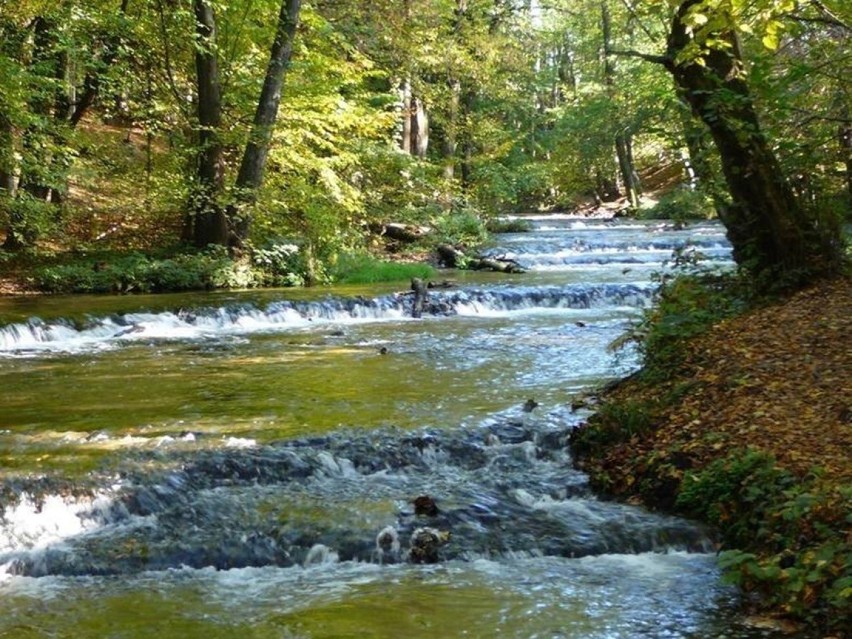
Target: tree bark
column 451, row 129
column 210, row 225
column 407, row 116
column 623, row 151
column 250, row 176
column 770, row 233
column 844, row 138
column 35, row 167
column 419, row 128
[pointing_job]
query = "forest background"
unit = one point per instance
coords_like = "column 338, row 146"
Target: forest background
column 164, row 145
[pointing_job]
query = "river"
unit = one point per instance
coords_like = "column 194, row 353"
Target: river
column 244, row 464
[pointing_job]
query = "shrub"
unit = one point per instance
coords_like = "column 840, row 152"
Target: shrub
column 734, row 493
column 686, row 306
column 789, row 534
column 614, row 422
column 680, row 205
column 139, row 273
column 503, row 225
column 460, row 226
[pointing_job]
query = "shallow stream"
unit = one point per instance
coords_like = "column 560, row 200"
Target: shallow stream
column 244, row 464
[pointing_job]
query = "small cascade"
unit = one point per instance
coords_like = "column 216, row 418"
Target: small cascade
column 36, row 336
column 500, row 490
column 34, row 523
column 569, row 244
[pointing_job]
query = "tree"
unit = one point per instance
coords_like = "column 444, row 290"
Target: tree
column 772, row 235
column 210, row 225
column 213, row 222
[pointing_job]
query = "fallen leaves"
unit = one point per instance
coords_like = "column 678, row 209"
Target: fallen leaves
column 776, row 379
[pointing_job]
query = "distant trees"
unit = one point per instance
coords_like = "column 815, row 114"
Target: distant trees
column 420, row 111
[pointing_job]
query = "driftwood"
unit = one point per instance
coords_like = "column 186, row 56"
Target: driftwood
column 407, row 233
column 420, row 294
column 451, row 256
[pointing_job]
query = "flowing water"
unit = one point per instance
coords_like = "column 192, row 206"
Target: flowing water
column 244, row 465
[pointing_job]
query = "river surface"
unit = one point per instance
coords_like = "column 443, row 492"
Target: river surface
column 244, row 464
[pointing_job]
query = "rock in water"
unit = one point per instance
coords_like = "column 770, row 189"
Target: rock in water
column 530, row 405
column 425, row 543
column 425, row 505
column 387, row 544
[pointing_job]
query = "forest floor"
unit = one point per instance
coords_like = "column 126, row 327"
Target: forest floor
column 777, row 379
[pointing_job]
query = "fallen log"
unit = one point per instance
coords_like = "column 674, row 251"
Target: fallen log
column 407, row 233
column 451, row 256
column 498, row 264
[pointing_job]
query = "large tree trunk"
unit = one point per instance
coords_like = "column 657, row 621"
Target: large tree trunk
column 253, row 163
column 210, row 225
column 35, row 167
column 844, row 137
column 451, row 129
column 771, row 235
column 407, row 116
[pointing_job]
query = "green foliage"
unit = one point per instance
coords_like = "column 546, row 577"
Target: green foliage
column 613, row 423
column 460, row 226
column 734, row 494
column 29, row 219
column 281, row 264
column 507, row 225
column 681, row 205
column 789, row 534
column 360, row 268
column 139, row 273
column 686, row 305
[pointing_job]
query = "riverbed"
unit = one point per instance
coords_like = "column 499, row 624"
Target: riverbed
column 225, row 464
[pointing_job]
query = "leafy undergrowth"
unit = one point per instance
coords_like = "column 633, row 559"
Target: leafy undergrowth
column 750, row 430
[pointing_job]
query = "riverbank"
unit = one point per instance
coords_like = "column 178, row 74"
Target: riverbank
column 751, row 432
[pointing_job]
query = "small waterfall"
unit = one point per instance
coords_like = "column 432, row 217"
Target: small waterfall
column 501, row 490
column 36, row 335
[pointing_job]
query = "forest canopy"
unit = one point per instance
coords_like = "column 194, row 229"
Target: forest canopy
column 252, row 124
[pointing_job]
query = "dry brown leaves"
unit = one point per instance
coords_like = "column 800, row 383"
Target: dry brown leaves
column 777, row 379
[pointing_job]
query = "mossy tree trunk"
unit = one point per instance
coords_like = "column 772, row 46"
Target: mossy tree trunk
column 772, row 236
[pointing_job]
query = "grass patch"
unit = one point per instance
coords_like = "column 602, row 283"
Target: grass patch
column 364, row 269
column 503, row 225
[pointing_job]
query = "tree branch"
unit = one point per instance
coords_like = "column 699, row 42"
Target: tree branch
column 835, row 20
column 648, row 57
column 635, row 16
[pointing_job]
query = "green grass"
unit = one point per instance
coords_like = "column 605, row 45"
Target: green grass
column 363, row 269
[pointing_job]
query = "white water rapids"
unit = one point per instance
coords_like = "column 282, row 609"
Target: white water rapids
column 223, row 466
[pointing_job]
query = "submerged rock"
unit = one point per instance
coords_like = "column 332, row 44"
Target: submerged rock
column 425, row 505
